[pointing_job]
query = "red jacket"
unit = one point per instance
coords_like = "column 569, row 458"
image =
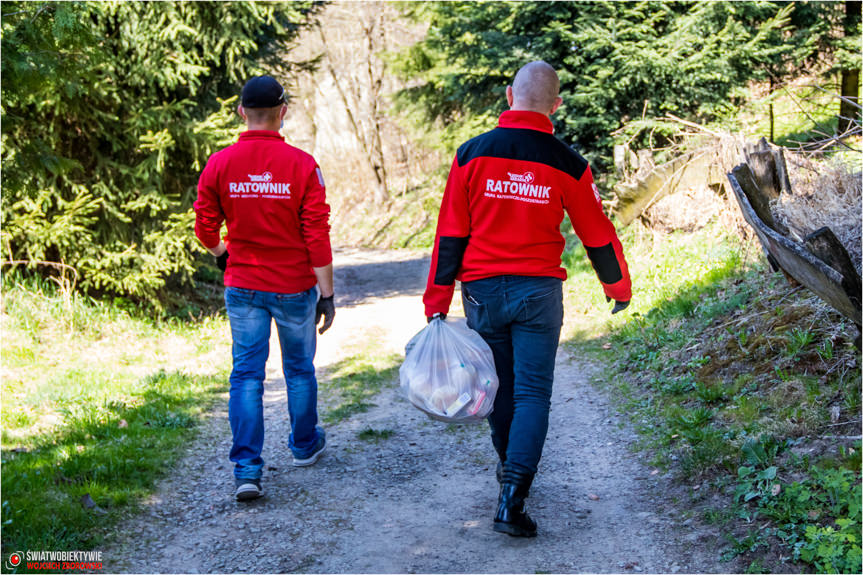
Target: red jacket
column 503, row 206
column 273, row 198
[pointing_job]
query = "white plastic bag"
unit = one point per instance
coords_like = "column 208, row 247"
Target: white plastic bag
column 449, row 372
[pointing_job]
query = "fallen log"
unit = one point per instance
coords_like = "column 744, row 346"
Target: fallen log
column 820, row 262
column 684, row 172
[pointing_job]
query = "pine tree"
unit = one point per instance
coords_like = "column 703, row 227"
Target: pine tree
column 109, row 112
column 617, row 61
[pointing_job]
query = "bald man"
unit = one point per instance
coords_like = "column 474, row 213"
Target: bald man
column 499, row 234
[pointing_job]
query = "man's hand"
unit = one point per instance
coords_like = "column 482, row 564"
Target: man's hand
column 221, row 253
column 327, row 308
column 222, row 261
column 618, row 305
column 441, row 316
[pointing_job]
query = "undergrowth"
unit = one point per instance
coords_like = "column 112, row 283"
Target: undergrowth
column 94, row 410
column 351, row 384
column 738, row 384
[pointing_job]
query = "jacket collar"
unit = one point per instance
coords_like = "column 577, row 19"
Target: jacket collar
column 250, row 134
column 525, row 119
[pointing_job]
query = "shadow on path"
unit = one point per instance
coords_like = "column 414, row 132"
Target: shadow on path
column 376, row 274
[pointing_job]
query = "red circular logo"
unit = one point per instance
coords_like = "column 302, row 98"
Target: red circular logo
column 15, row 559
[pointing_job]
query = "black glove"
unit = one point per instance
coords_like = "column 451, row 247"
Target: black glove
column 441, row 316
column 222, row 260
column 327, row 308
column 618, row 305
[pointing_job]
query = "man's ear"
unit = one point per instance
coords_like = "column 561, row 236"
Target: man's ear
column 242, row 112
column 282, row 112
column 509, row 96
column 556, row 105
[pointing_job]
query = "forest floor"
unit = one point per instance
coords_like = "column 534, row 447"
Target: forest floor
column 398, row 492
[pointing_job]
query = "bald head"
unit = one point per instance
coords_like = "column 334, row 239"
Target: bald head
column 535, row 88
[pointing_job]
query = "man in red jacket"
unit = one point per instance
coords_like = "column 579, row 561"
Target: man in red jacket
column 277, row 261
column 499, row 234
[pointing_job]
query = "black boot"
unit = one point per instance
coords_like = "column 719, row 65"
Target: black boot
column 511, row 517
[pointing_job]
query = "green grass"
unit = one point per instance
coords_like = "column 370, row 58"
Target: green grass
column 375, row 435
column 113, row 450
column 61, row 348
column 799, row 112
column 817, row 517
column 724, row 368
column 670, row 274
column 93, row 403
column 352, row 383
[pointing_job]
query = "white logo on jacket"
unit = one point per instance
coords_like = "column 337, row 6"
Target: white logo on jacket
column 265, row 177
column 518, row 187
column 259, row 186
column 524, row 178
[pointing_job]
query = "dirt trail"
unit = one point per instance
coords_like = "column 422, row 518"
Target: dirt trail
column 423, row 499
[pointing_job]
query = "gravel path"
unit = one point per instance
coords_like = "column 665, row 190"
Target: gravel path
column 422, row 500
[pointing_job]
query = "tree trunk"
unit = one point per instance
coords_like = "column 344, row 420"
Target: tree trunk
column 772, row 117
column 849, row 108
column 375, row 83
column 360, row 115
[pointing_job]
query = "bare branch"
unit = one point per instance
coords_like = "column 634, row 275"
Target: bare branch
column 692, row 125
column 837, row 96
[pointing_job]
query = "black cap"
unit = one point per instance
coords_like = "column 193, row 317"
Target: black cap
column 263, row 92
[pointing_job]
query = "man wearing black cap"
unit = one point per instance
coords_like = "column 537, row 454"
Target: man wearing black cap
column 277, row 261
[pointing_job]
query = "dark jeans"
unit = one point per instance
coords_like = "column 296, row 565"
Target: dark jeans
column 520, row 318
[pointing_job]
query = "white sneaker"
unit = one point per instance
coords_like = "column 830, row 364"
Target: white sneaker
column 248, row 489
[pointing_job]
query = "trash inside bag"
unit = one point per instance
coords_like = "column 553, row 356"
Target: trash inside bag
column 449, row 372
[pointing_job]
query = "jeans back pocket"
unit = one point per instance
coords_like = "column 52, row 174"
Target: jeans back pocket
column 544, row 307
column 238, row 301
column 295, row 307
column 476, row 312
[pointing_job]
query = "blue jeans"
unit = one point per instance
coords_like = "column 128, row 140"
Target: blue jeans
column 251, row 313
column 520, row 318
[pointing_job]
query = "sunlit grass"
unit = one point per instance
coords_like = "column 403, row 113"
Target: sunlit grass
column 60, row 349
column 351, row 384
column 97, row 401
column 801, row 112
column 667, row 270
column 718, row 359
